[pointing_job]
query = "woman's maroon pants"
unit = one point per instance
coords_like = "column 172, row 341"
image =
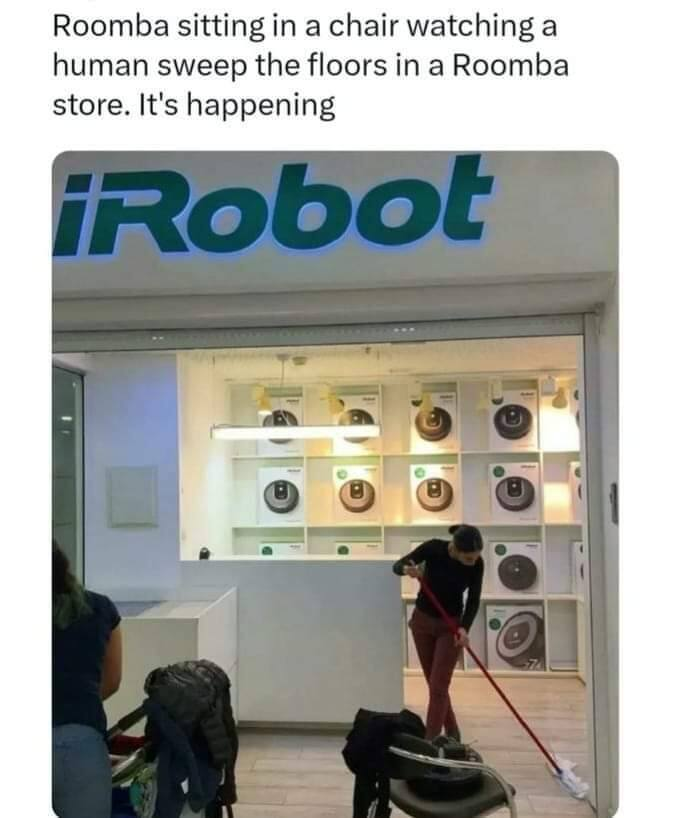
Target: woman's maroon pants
column 438, row 654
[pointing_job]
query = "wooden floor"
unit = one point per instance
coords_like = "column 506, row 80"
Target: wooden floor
column 303, row 775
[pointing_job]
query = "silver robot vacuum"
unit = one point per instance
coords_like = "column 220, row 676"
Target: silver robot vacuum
column 434, row 425
column 356, row 417
column 357, row 496
column 521, row 640
column 513, row 422
column 517, row 572
column 281, row 496
column 280, row 417
column 434, row 494
column 515, row 493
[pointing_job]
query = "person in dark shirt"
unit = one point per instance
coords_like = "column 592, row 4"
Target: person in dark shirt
column 86, row 670
column 450, row 569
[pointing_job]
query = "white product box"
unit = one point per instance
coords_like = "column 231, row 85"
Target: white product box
column 578, row 569
column 280, row 499
column 358, row 410
column 435, row 429
column 356, row 494
column 435, row 493
column 513, row 421
column 515, row 493
column 515, row 637
column 516, row 567
column 282, row 549
column 287, row 411
column 575, row 491
column 352, row 548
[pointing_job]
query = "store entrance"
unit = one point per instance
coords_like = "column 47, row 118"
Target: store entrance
column 337, row 460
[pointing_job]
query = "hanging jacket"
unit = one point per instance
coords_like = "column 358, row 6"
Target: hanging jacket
column 366, row 755
column 196, row 696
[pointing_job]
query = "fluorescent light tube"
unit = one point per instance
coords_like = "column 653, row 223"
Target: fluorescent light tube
column 226, row 432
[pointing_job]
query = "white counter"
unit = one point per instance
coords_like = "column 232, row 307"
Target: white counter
column 158, row 634
column 318, row 637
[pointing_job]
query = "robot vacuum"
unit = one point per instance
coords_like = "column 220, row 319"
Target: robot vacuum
column 281, row 496
column 517, row 572
column 513, row 421
column 357, row 496
column 434, row 425
column 280, row 417
column 521, row 640
column 434, row 494
column 356, row 417
column 515, row 493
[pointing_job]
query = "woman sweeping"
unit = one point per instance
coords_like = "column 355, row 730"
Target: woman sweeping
column 450, row 568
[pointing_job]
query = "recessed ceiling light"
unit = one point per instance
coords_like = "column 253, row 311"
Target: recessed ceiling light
column 66, row 418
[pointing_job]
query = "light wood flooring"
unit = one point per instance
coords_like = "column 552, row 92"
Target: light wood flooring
column 302, row 775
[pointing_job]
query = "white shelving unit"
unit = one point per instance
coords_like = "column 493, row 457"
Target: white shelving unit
column 395, row 529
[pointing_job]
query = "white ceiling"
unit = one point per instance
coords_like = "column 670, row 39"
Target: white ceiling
column 388, row 361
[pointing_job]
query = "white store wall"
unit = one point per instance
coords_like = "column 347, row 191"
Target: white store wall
column 131, row 420
column 206, row 483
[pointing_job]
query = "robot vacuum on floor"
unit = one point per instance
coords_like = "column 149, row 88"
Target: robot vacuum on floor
column 434, row 494
column 357, row 496
column 281, row 496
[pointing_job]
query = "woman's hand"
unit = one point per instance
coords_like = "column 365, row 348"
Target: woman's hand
column 462, row 638
column 413, row 570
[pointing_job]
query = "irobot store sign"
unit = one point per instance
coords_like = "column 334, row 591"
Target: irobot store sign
column 303, row 214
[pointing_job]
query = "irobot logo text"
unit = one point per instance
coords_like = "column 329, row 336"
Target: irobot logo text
column 95, row 209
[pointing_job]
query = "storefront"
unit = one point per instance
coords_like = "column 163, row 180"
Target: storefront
column 464, row 306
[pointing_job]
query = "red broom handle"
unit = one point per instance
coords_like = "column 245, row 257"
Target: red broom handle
column 453, row 625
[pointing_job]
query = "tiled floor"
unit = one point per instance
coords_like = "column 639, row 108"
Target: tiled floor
column 304, row 776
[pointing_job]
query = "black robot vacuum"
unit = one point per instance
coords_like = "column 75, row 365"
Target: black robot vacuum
column 356, row 417
column 434, row 425
column 357, row 496
column 281, row 496
column 434, row 494
column 513, row 422
column 521, row 640
column 280, row 417
column 517, row 572
column 515, row 493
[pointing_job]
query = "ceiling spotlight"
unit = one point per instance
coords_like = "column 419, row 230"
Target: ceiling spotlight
column 66, row 418
column 549, row 386
column 560, row 399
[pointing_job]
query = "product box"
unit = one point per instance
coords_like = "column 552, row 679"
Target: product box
column 516, row 567
column 280, row 499
column 358, row 410
column 575, row 491
column 282, row 549
column 515, row 637
column 353, row 548
column 287, row 411
column 578, row 569
column 515, row 493
column 435, row 493
column 513, row 422
column 434, row 428
column 356, row 494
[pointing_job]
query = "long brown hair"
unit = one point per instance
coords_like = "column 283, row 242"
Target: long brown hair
column 69, row 602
